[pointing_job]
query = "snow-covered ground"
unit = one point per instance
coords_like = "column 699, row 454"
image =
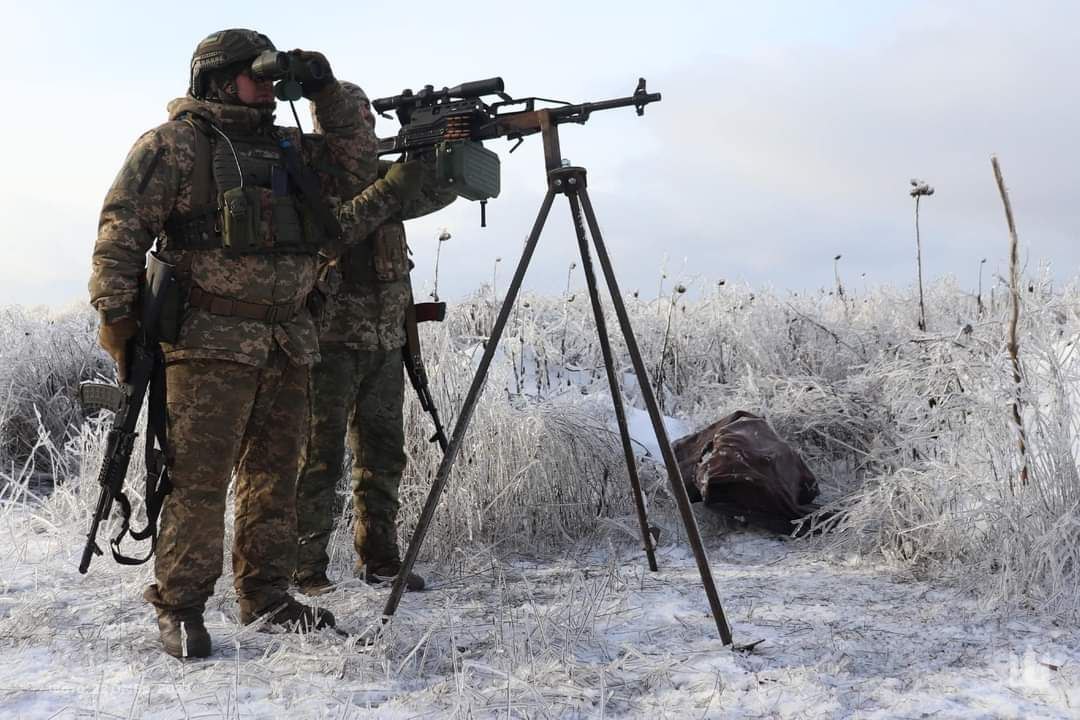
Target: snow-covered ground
column 910, row 434
column 590, row 634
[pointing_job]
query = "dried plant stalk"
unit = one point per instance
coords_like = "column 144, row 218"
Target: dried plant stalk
column 1014, row 317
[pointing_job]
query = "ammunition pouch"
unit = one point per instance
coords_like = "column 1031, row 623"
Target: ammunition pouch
column 390, row 253
column 198, row 231
column 382, row 258
column 356, row 267
column 241, row 212
column 246, row 201
column 247, row 220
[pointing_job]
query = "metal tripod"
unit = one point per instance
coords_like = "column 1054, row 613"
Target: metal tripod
column 570, row 181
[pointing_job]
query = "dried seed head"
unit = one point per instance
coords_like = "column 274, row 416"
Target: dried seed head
column 680, row 288
column 920, row 188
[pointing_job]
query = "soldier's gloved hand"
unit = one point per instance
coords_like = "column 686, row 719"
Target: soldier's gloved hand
column 113, row 337
column 314, row 73
column 406, row 180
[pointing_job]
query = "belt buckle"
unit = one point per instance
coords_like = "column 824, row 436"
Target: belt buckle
column 272, row 314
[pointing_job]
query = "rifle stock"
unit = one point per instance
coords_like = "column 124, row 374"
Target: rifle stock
column 414, row 363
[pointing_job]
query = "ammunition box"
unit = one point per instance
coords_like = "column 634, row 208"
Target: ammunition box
column 468, row 168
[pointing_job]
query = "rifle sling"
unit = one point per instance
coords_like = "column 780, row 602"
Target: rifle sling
column 157, row 470
column 310, row 194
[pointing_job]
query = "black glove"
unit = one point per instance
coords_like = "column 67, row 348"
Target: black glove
column 312, row 71
column 406, row 180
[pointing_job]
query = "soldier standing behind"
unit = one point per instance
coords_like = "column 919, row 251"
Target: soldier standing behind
column 357, row 391
column 217, row 187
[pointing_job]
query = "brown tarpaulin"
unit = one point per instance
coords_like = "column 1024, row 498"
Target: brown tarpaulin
column 740, row 467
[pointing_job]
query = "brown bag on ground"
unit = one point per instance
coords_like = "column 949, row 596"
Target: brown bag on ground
column 741, row 468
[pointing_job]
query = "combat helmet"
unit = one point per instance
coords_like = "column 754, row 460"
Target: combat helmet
column 221, row 49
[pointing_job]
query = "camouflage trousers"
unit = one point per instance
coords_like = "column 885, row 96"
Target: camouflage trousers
column 355, row 394
column 226, row 416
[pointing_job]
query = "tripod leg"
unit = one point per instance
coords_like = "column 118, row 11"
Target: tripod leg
column 462, row 422
column 613, row 383
column 674, row 476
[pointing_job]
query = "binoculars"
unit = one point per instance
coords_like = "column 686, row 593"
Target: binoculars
column 288, row 71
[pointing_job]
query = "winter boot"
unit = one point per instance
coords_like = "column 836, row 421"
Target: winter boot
column 183, row 634
column 380, row 557
column 313, row 584
column 287, row 612
column 385, row 573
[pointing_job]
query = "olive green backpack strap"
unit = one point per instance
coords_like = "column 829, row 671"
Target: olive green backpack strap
column 202, row 178
column 197, row 229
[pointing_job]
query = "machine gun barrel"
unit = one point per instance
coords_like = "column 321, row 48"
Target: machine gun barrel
column 571, row 113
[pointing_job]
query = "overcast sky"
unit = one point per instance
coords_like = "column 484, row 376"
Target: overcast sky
column 787, row 133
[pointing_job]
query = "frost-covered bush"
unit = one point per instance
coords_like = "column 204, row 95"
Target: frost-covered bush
column 953, row 500
column 43, row 356
column 910, row 432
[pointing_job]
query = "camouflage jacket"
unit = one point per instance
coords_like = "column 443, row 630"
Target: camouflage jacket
column 366, row 310
column 154, row 185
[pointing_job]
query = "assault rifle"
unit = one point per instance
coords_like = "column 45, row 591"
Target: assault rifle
column 145, row 379
column 414, row 362
column 455, row 121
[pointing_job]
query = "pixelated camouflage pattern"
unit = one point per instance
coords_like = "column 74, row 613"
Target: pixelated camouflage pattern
column 224, row 416
column 368, row 312
column 154, row 185
column 356, row 394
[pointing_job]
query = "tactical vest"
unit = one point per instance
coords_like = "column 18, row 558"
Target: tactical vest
column 243, row 199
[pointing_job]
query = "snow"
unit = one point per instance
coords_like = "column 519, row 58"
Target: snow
column 541, row 605
column 591, row 633
column 641, row 430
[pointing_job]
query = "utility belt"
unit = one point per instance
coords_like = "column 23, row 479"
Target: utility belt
column 229, row 307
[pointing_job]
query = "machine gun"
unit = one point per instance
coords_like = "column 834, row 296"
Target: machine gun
column 455, row 121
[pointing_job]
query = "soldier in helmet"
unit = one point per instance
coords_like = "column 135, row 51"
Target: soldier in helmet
column 234, row 204
column 357, row 390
